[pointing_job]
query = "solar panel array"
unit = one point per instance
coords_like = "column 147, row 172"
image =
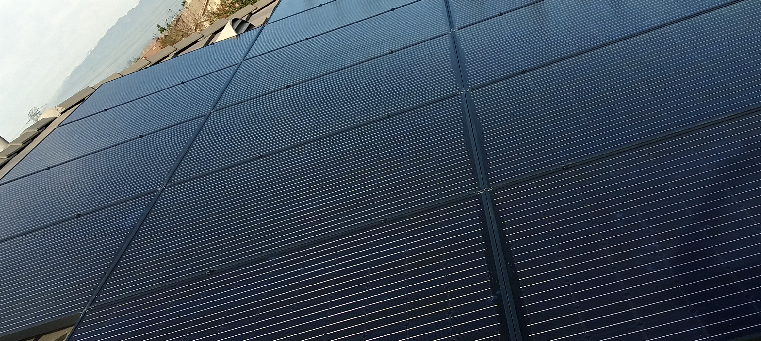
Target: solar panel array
column 409, row 169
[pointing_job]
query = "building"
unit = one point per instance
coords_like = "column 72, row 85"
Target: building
column 401, row 169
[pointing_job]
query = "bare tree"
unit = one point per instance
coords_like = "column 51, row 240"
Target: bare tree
column 34, row 114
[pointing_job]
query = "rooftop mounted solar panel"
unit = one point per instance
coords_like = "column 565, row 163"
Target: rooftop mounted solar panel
column 171, row 73
column 422, row 277
column 351, row 170
column 90, row 182
column 660, row 242
column 341, row 48
column 404, row 80
column 124, row 123
column 320, row 20
column 288, row 8
column 552, row 30
column 53, row 272
column 300, row 194
column 633, row 90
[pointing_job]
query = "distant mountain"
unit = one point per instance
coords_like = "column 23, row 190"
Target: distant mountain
column 121, row 45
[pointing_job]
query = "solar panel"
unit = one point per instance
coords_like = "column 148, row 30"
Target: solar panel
column 320, row 20
column 404, row 79
column 422, row 277
column 349, row 170
column 302, row 193
column 53, row 272
column 340, row 48
column 90, row 182
column 554, row 29
column 657, row 242
column 173, row 72
column 674, row 77
column 468, row 12
column 286, row 8
column 124, row 123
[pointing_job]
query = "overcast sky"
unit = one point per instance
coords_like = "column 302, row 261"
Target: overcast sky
column 42, row 42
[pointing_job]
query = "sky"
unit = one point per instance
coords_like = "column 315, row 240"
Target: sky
column 42, row 42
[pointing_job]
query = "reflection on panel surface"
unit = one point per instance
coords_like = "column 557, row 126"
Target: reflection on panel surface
column 326, row 179
column 683, row 74
column 353, row 178
column 90, row 182
column 659, row 242
column 54, row 272
column 421, row 278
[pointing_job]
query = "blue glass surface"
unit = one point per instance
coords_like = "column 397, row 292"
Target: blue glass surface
column 337, row 49
column 553, row 29
column 167, row 74
column 286, row 8
column 319, row 20
column 124, row 123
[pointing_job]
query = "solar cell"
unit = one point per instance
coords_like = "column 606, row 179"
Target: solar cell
column 408, row 78
column 53, row 272
column 302, row 193
column 286, row 8
column 554, row 29
column 468, row 12
column 422, row 277
column 635, row 89
column 173, row 72
column 124, row 123
column 659, row 242
column 320, row 20
column 90, row 182
column 339, row 48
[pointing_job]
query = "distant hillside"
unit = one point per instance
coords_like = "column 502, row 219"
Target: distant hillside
column 121, row 44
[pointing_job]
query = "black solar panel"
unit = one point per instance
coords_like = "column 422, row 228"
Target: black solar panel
column 319, row 20
column 657, row 242
column 419, row 278
column 340, row 48
column 123, row 123
column 288, row 8
column 53, row 272
column 351, row 170
column 405, row 79
column 698, row 69
column 183, row 68
column 92, row 181
column 555, row 29
column 305, row 192
column 468, row 12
